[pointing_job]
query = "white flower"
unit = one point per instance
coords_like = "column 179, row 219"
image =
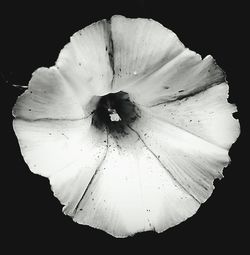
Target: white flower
column 130, row 127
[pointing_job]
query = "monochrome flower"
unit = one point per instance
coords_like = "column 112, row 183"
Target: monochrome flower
column 130, row 127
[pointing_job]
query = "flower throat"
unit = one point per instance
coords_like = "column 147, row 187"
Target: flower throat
column 114, row 112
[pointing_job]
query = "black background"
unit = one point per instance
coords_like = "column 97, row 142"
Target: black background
column 32, row 36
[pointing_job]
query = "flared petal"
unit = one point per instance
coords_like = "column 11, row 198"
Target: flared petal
column 206, row 114
column 141, row 47
column 153, row 60
column 67, row 152
column 191, row 138
column 132, row 192
column 85, row 61
column 48, row 97
column 71, row 88
column 186, row 75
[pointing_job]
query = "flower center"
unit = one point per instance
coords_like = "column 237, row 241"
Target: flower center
column 115, row 112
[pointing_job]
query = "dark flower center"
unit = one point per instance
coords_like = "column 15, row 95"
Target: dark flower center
column 115, row 112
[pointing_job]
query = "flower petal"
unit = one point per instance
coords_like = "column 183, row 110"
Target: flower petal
column 67, row 152
column 70, row 89
column 133, row 192
column 194, row 153
column 141, row 46
column 85, row 61
column 154, row 61
column 186, row 75
column 206, row 114
column 48, row 97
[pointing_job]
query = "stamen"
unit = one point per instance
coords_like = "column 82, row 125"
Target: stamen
column 114, row 116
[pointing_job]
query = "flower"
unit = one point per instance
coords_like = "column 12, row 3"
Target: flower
column 130, row 127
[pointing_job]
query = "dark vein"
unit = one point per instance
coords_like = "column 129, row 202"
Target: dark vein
column 50, row 119
column 92, row 178
column 169, row 172
column 111, row 51
column 191, row 93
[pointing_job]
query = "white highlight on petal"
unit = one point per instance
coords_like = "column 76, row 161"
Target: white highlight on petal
column 132, row 192
column 48, row 146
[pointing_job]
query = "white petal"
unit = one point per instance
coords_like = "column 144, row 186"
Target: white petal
column 206, row 114
column 185, row 75
column 132, row 192
column 68, row 152
column 85, row 61
column 141, row 46
column 71, row 89
column 194, row 162
column 150, row 58
column 49, row 97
